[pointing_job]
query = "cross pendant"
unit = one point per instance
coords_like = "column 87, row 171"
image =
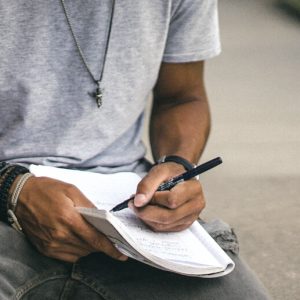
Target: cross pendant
column 99, row 95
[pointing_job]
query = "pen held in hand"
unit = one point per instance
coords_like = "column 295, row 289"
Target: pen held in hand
column 174, row 181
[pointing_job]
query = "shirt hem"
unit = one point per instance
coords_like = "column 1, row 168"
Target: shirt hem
column 192, row 56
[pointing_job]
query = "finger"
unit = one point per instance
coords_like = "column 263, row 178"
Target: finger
column 65, row 256
column 86, row 232
column 95, row 239
column 68, row 254
column 61, row 236
column 177, row 196
column 165, row 216
column 78, row 198
column 148, row 186
column 60, row 253
column 70, row 244
column 181, row 224
column 150, row 183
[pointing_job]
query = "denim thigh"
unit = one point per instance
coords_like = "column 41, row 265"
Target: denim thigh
column 134, row 280
column 26, row 274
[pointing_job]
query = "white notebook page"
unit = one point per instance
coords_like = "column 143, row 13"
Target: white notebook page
column 104, row 190
column 182, row 247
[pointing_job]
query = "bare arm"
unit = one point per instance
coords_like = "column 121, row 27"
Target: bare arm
column 180, row 119
column 180, row 123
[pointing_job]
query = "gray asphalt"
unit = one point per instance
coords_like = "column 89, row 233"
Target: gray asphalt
column 254, row 91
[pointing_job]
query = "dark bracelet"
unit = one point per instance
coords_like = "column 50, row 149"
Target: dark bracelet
column 7, row 179
column 3, row 167
column 177, row 159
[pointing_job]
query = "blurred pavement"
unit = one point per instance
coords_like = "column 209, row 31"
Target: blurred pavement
column 254, row 91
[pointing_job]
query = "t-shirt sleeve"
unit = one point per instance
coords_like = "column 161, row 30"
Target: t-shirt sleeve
column 193, row 32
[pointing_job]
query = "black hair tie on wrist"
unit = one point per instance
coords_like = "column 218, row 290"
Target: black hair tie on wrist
column 177, row 159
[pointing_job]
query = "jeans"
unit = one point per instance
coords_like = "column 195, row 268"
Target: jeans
column 27, row 274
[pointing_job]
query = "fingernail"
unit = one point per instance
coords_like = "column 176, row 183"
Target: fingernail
column 140, row 200
column 123, row 257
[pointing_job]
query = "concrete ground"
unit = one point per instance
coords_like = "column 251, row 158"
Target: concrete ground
column 254, row 90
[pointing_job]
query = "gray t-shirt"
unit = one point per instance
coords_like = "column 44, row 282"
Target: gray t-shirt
column 47, row 113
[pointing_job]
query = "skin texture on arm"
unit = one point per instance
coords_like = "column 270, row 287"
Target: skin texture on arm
column 180, row 124
column 180, row 120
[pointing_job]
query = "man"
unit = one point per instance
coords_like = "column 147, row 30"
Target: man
column 75, row 77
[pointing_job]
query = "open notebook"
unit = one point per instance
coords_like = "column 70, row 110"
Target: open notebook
column 190, row 252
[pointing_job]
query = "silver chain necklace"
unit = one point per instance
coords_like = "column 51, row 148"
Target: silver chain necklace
column 99, row 91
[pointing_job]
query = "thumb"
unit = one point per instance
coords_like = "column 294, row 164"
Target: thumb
column 149, row 184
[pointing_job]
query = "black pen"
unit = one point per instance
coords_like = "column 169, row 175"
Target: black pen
column 180, row 178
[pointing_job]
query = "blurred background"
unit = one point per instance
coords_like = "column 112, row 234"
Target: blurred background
column 254, row 92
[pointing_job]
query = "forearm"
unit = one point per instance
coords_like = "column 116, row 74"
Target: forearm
column 181, row 128
column 180, row 123
column 177, row 128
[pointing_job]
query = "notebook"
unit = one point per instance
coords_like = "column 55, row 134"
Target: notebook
column 191, row 252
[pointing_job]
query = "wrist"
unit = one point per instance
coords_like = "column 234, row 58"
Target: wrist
column 13, row 200
column 9, row 174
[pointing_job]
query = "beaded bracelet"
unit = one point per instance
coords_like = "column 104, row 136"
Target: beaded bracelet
column 3, row 201
column 17, row 190
column 3, row 166
column 7, row 180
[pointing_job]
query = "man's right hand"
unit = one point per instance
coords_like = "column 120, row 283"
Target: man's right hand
column 46, row 211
